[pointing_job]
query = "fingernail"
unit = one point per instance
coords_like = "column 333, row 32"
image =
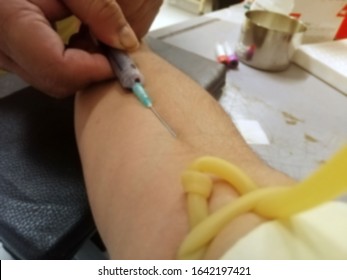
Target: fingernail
column 127, row 38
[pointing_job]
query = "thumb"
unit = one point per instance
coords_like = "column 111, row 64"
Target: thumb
column 106, row 21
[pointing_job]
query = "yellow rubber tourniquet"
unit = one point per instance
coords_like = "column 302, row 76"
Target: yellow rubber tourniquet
column 327, row 183
column 67, row 27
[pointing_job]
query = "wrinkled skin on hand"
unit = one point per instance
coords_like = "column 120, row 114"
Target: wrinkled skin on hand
column 31, row 48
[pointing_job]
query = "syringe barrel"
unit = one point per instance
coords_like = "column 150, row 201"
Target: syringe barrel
column 124, row 68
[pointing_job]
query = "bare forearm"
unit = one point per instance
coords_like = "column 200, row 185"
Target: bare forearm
column 132, row 165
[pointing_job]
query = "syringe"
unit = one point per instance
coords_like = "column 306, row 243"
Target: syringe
column 131, row 78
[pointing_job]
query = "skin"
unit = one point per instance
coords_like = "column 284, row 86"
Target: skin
column 31, row 48
column 132, row 165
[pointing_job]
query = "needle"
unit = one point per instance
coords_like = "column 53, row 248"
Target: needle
column 130, row 78
column 164, row 123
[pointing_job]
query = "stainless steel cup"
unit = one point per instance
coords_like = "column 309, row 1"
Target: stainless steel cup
column 268, row 40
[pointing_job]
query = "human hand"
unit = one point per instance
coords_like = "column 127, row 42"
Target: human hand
column 140, row 13
column 30, row 47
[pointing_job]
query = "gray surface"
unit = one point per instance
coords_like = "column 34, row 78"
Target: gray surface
column 304, row 118
column 10, row 83
column 4, row 255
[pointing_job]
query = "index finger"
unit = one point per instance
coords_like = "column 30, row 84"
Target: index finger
column 40, row 55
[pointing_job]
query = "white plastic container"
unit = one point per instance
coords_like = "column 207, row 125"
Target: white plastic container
column 278, row 6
